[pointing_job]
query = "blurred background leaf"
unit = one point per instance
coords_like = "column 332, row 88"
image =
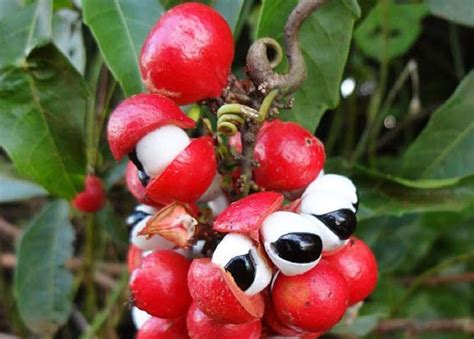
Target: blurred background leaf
column 390, row 29
column 43, row 286
column 230, row 10
column 325, row 46
column 120, row 28
column 42, row 107
column 15, row 189
column 22, row 30
column 444, row 149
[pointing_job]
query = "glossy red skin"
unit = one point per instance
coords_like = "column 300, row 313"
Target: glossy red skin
column 134, row 257
column 289, row 156
column 158, row 328
column 218, row 296
column 135, row 187
column 159, row 284
column 358, row 265
column 271, row 320
column 139, row 115
column 247, row 214
column 93, row 197
column 314, row 301
column 187, row 177
column 188, row 54
column 200, row 326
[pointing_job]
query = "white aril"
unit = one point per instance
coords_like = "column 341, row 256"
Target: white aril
column 322, row 202
column 237, row 253
column 334, row 183
column 159, row 148
column 292, row 242
column 139, row 317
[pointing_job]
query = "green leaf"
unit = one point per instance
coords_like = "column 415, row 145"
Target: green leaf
column 459, row 11
column 9, row 7
column 379, row 198
column 361, row 326
column 23, row 30
column 230, row 10
column 402, row 24
column 444, row 149
column 67, row 35
column 14, row 189
column 42, row 109
column 120, row 28
column 43, row 285
column 325, row 40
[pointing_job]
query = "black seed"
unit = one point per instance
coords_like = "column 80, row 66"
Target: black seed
column 134, row 158
column 242, row 268
column 144, row 178
column 298, row 247
column 342, row 222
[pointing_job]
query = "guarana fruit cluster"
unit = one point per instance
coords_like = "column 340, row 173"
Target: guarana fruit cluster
column 263, row 265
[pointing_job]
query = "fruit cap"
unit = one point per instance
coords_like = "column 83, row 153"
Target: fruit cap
column 247, row 214
column 139, row 115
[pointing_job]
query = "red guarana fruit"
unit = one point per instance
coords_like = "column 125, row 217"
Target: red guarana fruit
column 217, row 295
column 93, row 197
column 187, row 177
column 188, row 54
column 159, row 284
column 158, row 328
column 200, row 326
column 314, row 301
column 358, row 265
column 139, row 115
column 289, row 156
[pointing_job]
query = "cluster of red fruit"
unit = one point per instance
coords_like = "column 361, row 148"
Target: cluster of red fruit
column 291, row 269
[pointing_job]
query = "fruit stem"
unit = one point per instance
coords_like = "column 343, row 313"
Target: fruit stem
column 260, row 67
column 89, row 265
column 248, row 133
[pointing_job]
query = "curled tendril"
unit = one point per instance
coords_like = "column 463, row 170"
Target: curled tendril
column 261, row 68
column 231, row 116
column 228, row 124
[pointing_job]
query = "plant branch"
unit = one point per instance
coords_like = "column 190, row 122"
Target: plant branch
column 261, row 68
column 413, row 326
column 444, row 279
column 101, row 277
column 417, row 282
column 110, row 305
column 248, row 132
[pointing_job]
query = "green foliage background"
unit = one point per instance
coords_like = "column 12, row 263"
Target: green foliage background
column 405, row 136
